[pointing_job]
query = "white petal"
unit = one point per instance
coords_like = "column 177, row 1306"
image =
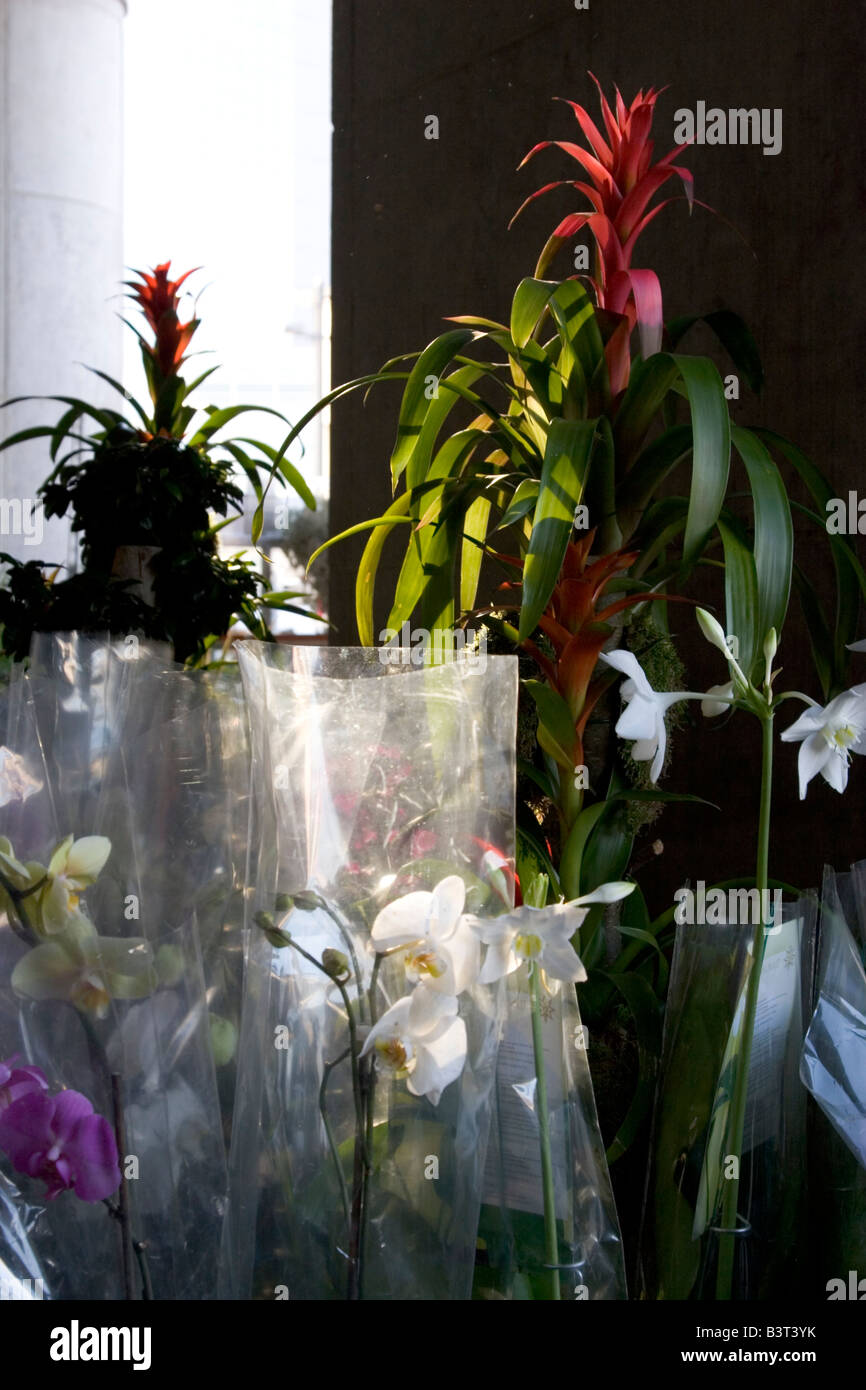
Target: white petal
column 393, row 1023
column 57, row 862
column 87, row 858
column 814, row 753
column 810, row 720
column 658, row 760
column 638, row 719
column 627, row 662
column 463, row 953
column 607, row 892
column 857, row 646
column 427, row 1009
column 441, row 1059
column 500, row 960
column 449, row 897
column 715, row 701
column 562, row 962
column 835, row 771
column 644, row 749
column 405, row 919
column 494, row 930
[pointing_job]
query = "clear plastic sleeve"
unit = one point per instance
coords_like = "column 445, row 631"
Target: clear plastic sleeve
column 682, row 1229
column 514, row 1261
column 104, row 739
column 833, row 1069
column 372, row 782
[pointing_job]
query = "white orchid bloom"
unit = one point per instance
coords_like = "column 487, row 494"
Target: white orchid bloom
column 86, row 969
column 442, row 951
column 421, row 1039
column 717, row 700
column 830, row 734
column 643, row 718
column 542, row 935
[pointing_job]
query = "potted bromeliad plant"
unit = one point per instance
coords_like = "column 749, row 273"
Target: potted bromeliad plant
column 545, row 462
column 140, row 488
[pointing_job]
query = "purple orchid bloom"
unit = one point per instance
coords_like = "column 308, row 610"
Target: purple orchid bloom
column 16, row 1082
column 60, row 1140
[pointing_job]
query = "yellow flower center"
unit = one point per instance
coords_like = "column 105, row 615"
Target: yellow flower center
column 91, row 994
column 394, row 1056
column 841, row 736
column 421, row 963
column 528, row 945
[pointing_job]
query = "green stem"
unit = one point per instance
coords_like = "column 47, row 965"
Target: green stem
column 728, row 1238
column 124, row 1217
column 551, row 1242
column 22, row 927
column 350, row 947
column 370, row 1098
column 361, row 1160
column 332, row 1142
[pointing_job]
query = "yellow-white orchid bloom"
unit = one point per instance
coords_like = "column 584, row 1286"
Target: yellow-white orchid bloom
column 86, row 969
column 74, row 866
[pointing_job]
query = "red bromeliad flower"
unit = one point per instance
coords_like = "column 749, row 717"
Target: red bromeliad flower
column 159, row 300
column 577, row 624
column 623, row 180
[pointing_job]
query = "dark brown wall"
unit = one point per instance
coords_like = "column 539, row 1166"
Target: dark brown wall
column 420, row 233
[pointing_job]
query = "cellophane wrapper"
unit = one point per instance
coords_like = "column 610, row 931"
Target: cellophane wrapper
column 110, row 738
column 370, row 780
column 514, row 1263
column 682, row 1228
column 833, row 1069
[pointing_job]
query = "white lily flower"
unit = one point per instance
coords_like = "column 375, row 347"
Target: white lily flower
column 421, row 1039
column 717, row 700
column 643, row 718
column 442, row 949
column 830, row 734
column 542, row 935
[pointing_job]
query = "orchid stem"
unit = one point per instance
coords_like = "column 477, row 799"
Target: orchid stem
column 547, row 1184
column 123, row 1198
column 369, row 1097
column 361, row 1159
column 728, row 1237
column 332, row 1143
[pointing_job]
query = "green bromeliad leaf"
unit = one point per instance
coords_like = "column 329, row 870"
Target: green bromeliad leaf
column 563, row 476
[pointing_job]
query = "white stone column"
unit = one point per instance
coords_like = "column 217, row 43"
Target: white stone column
column 61, row 253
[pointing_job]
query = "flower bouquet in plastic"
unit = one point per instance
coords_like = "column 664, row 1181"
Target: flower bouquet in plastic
column 382, row 842
column 101, row 987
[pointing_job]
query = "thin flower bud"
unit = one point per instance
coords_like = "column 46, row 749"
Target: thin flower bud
column 306, row 901
column 713, row 631
column 335, row 964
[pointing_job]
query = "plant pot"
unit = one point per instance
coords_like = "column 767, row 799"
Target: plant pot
column 135, row 562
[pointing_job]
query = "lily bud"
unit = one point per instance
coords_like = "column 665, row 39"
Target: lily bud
column 713, row 631
column 771, row 646
column 283, row 902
